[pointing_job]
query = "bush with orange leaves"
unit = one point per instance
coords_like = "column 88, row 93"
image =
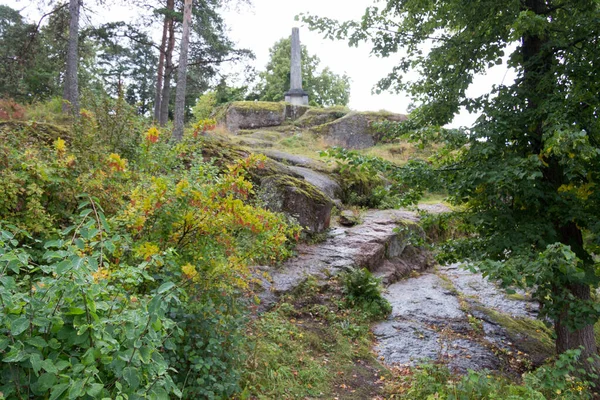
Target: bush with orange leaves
column 208, row 219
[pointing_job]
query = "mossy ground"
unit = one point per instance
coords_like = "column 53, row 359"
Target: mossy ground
column 258, row 106
column 311, row 346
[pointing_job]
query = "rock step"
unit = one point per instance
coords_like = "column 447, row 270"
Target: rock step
column 375, row 244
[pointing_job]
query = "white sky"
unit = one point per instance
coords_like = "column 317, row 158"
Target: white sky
column 259, row 26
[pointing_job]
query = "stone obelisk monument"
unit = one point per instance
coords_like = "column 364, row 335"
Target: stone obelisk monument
column 296, row 95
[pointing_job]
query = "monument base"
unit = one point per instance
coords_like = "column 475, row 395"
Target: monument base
column 297, row 97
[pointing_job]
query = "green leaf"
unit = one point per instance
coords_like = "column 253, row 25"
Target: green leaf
column 15, row 355
column 76, row 389
column 58, row 390
column 36, row 363
column 95, row 389
column 48, row 366
column 46, row 382
column 37, row 341
column 19, row 326
column 63, row 266
column 131, row 377
column 75, row 311
column 165, row 287
column 62, row 364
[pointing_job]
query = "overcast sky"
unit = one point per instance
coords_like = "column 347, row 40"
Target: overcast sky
column 260, row 25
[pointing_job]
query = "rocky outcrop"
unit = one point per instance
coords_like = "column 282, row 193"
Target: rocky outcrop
column 354, row 131
column 297, row 198
column 459, row 318
column 337, row 125
column 296, row 160
column 375, row 244
column 320, row 116
column 252, row 115
column 330, row 187
column 301, row 193
column 260, row 114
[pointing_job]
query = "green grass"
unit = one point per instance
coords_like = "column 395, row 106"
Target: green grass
column 310, row 346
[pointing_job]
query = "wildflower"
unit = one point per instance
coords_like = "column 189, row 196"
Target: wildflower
column 152, row 135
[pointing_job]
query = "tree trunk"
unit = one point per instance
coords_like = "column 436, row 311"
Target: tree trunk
column 166, row 91
column 161, row 62
column 583, row 338
column 71, row 88
column 182, row 73
column 537, row 63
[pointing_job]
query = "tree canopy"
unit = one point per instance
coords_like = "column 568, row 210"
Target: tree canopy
column 324, row 87
column 525, row 174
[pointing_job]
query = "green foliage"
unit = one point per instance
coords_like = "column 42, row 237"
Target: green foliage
column 174, row 225
column 363, row 183
column 324, row 89
column 308, row 346
column 207, row 353
column 363, row 291
column 554, row 381
column 113, row 125
column 43, row 171
column 205, row 105
column 526, row 173
column 67, row 331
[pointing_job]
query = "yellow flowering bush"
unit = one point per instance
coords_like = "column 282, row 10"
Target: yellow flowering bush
column 208, row 220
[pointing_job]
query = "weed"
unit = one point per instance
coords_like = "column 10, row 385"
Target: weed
column 363, row 290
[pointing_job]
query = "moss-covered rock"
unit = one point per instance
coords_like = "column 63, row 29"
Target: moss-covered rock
column 253, row 115
column 33, row 132
column 531, row 336
column 320, row 116
column 298, row 198
column 354, row 130
column 280, row 188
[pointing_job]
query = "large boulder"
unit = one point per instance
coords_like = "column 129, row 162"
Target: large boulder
column 298, row 198
column 242, row 115
column 325, row 183
column 253, row 115
column 355, row 130
column 320, row 116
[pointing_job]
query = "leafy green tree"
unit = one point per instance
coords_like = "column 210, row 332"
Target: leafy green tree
column 14, row 40
column 324, row 89
column 526, row 173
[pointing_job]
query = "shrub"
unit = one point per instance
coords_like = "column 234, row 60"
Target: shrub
column 208, row 354
column 363, row 290
column 205, row 217
column 65, row 329
column 112, row 125
column 9, row 109
column 553, row 381
column 205, row 106
column 42, row 173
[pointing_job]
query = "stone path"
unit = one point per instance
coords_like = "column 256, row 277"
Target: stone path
column 438, row 315
column 375, row 244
